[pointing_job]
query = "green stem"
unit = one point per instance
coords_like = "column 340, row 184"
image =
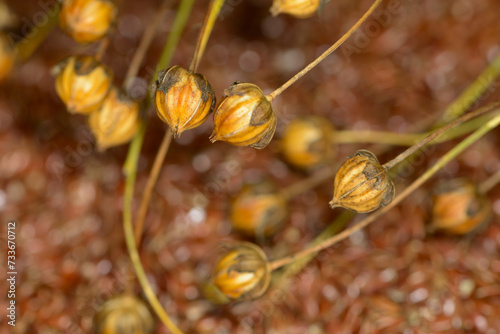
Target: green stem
column 473, row 91
column 28, row 45
column 450, row 155
column 130, row 170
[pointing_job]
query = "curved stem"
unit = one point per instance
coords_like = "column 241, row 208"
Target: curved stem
column 407, row 191
column 439, row 132
column 28, row 45
column 208, row 24
column 130, row 170
column 378, row 137
column 325, row 54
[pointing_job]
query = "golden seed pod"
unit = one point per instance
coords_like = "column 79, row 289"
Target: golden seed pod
column 244, row 117
column 7, row 57
column 298, row 8
column 242, row 273
column 183, row 99
column 116, row 122
column 87, row 21
column 83, row 83
column 123, row 315
column 362, row 184
column 258, row 210
column 458, row 208
column 307, row 142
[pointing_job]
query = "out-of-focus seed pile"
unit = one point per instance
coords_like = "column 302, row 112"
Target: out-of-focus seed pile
column 410, row 60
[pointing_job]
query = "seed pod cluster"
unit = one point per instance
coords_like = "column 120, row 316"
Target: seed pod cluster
column 116, row 122
column 307, row 142
column 298, row 8
column 362, row 184
column 83, row 83
column 258, row 210
column 123, row 315
column 458, row 208
column 244, row 117
column 87, row 21
column 241, row 273
column 182, row 99
column 7, row 57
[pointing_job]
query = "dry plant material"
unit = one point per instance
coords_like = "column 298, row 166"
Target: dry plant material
column 241, row 273
column 87, row 21
column 182, row 99
column 258, row 210
column 124, row 315
column 83, row 83
column 458, row 208
column 116, row 122
column 362, row 184
column 7, row 57
column 307, row 142
column 298, row 8
column 244, row 117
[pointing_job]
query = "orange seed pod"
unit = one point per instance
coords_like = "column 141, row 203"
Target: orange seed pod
column 87, row 21
column 244, row 117
column 458, row 208
column 362, row 184
column 182, row 99
column 298, row 8
column 123, row 315
column 7, row 57
column 83, row 83
column 242, row 273
column 116, row 122
column 307, row 142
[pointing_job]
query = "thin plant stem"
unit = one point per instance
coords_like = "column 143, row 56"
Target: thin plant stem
column 325, row 54
column 439, row 132
column 130, row 171
column 25, row 47
column 144, row 44
column 103, row 46
column 473, row 91
column 208, row 24
column 489, row 183
column 148, row 190
column 308, row 183
column 212, row 13
column 450, row 155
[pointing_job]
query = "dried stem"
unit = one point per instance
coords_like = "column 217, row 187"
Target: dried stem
column 130, row 170
column 208, row 24
column 489, row 183
column 103, row 46
column 212, row 13
column 407, row 191
column 325, row 54
column 439, row 132
column 144, row 44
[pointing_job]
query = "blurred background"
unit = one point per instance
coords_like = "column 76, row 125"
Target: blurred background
column 405, row 65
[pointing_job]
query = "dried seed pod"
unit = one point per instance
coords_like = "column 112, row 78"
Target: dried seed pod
column 123, row 315
column 244, row 117
column 87, row 21
column 458, row 208
column 183, row 99
column 7, row 57
column 298, row 8
column 116, row 122
column 258, row 210
column 307, row 142
column 242, row 273
column 83, row 83
column 362, row 184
